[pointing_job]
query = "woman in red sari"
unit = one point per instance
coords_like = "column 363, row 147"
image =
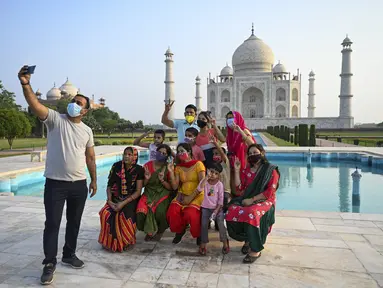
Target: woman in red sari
column 238, row 137
column 118, row 216
column 250, row 214
column 185, row 209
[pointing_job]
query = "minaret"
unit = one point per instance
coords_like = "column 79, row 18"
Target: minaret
column 311, row 107
column 345, row 109
column 198, row 94
column 169, row 82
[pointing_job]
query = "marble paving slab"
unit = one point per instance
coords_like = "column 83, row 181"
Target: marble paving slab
column 304, row 249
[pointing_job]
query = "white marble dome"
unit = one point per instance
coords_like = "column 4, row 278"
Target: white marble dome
column 69, row 88
column 226, row 71
column 54, row 93
column 253, row 54
column 279, row 68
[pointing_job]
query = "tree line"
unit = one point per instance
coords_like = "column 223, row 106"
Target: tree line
column 18, row 123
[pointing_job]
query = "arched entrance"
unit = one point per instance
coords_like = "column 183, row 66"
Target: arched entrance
column 280, row 111
column 252, row 103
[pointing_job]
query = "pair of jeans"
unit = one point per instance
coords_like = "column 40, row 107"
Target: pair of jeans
column 205, row 219
column 56, row 193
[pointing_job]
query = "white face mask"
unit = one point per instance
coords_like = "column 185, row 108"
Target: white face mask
column 74, row 110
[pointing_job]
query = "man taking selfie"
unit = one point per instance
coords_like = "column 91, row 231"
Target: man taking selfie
column 70, row 146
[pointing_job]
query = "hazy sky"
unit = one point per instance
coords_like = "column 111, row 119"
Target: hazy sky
column 115, row 49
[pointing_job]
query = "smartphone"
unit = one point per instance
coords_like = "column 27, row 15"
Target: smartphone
column 30, row 70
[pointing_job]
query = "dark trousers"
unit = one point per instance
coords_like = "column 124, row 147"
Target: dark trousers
column 205, row 220
column 55, row 195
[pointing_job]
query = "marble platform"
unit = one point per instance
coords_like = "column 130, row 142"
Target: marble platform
column 305, row 249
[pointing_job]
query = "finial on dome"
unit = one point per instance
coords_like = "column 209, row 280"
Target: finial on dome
column 227, row 64
column 279, row 61
column 252, row 29
column 54, row 84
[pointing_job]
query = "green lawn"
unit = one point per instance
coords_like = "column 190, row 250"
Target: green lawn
column 38, row 143
column 358, row 134
column 277, row 141
column 23, row 143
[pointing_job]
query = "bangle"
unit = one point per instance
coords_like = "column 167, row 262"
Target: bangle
column 22, row 84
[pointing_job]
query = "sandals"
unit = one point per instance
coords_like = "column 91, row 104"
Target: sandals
column 157, row 237
column 202, row 251
column 148, row 238
column 226, row 250
column 251, row 259
column 245, row 249
column 128, row 247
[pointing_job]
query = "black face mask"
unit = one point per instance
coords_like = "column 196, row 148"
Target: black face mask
column 253, row 159
column 201, row 124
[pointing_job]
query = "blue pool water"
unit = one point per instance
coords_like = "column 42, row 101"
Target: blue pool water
column 327, row 186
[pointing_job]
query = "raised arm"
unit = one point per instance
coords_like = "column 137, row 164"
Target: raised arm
column 246, row 135
column 37, row 108
column 220, row 150
column 218, row 132
column 165, row 119
column 138, row 140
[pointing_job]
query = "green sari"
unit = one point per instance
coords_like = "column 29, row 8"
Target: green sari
column 154, row 203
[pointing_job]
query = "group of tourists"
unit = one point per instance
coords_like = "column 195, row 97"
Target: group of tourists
column 188, row 188
column 183, row 190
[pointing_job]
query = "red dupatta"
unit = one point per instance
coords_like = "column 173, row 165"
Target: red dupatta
column 234, row 140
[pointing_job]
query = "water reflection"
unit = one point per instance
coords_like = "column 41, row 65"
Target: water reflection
column 344, row 189
column 310, row 176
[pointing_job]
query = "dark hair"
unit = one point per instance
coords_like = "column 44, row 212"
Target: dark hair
column 206, row 115
column 223, row 149
column 128, row 148
column 192, row 130
column 229, row 113
column 160, row 131
column 214, row 166
column 260, row 148
column 187, row 147
column 86, row 98
column 191, row 106
column 168, row 149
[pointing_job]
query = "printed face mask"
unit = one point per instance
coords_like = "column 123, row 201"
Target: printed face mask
column 217, row 158
column 160, row 157
column 188, row 140
column 74, row 110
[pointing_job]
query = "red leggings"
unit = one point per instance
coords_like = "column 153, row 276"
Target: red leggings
column 178, row 218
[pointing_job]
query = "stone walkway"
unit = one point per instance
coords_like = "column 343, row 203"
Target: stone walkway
column 305, row 249
column 267, row 141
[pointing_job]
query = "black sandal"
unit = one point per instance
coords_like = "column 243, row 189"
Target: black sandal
column 251, row 259
column 245, row 249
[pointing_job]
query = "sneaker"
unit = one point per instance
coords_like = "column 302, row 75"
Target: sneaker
column 48, row 272
column 73, row 261
column 177, row 239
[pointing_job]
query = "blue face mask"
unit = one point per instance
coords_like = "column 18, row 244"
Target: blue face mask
column 74, row 110
column 230, row 122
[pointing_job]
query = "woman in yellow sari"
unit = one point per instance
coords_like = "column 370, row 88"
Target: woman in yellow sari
column 185, row 208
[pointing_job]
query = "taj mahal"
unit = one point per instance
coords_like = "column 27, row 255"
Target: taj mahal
column 265, row 93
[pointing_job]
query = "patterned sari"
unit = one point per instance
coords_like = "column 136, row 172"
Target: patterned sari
column 152, row 207
column 118, row 229
column 253, row 223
